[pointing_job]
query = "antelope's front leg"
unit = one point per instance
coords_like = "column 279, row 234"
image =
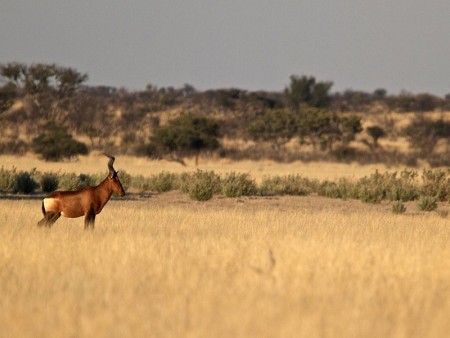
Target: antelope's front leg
column 89, row 220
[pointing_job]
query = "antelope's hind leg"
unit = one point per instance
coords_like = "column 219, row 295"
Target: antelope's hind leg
column 42, row 222
column 49, row 218
column 89, row 220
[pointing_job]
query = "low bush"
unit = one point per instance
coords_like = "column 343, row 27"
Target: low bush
column 286, row 185
column 236, row 185
column 344, row 188
column 428, row 203
column 330, row 190
column 7, row 179
column 388, row 186
column 162, row 182
column 404, row 188
column 398, row 207
column 436, row 183
column 49, row 182
column 371, row 194
column 140, row 183
column 24, row 183
column 76, row 182
column 376, row 187
column 201, row 185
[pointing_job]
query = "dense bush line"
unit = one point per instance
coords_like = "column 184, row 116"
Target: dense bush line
column 428, row 187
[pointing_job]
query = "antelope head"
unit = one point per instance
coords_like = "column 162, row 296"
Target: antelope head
column 113, row 179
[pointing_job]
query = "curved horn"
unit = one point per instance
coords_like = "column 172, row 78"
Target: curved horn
column 110, row 163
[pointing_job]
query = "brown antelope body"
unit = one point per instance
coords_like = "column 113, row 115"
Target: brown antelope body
column 87, row 202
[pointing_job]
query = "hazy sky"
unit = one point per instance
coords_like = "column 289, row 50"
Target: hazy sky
column 249, row 44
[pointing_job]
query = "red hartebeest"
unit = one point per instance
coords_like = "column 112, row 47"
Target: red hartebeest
column 87, row 202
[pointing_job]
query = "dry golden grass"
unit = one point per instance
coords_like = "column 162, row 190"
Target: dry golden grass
column 96, row 163
column 250, row 267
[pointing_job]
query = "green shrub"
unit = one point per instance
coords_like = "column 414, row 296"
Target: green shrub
column 140, row 182
column 277, row 126
column 436, row 183
column 162, row 182
column 428, row 203
column 201, row 185
column 85, row 180
column 372, row 189
column 184, row 182
column 370, row 194
column 330, row 190
column 187, row 134
column 286, row 185
column 56, row 143
column 378, row 187
column 49, row 182
column 236, row 185
column 344, row 188
column 73, row 182
column 7, row 179
column 24, row 184
column 403, row 188
column 269, row 186
column 398, row 207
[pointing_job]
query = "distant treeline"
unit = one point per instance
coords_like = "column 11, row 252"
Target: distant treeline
column 50, row 110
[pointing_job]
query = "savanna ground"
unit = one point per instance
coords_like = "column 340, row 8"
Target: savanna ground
column 167, row 266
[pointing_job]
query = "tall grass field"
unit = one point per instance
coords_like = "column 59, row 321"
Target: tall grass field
column 167, row 266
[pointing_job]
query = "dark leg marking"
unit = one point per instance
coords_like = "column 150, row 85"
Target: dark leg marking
column 49, row 219
column 89, row 220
